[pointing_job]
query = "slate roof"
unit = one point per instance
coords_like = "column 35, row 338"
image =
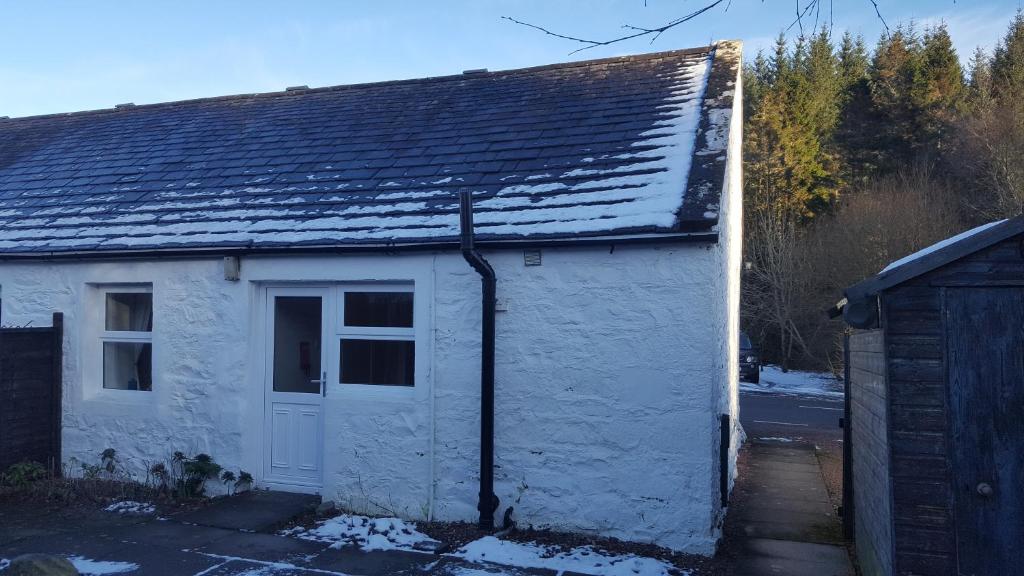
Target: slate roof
column 621, row 146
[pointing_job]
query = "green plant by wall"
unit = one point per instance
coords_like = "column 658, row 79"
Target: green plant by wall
column 22, row 474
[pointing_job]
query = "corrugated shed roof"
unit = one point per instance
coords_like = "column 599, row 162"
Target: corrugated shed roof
column 631, row 145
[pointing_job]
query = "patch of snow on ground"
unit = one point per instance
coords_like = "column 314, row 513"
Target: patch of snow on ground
column 131, row 507
column 795, row 382
column 4, row 563
column 775, row 439
column 367, row 533
column 89, row 567
column 584, row 560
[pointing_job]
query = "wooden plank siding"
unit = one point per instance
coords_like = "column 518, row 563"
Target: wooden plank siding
column 30, row 395
column 924, row 522
column 919, row 430
column 870, row 452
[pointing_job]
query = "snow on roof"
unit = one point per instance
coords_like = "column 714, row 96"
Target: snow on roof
column 606, row 147
column 939, row 245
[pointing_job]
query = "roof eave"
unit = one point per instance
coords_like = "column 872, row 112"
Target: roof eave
column 708, row 236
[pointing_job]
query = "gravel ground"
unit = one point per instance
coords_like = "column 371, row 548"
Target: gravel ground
column 457, row 534
column 830, row 457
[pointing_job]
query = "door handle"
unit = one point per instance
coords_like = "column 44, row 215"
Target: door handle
column 322, row 382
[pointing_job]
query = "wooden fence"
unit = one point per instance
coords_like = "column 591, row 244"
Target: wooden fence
column 31, row 361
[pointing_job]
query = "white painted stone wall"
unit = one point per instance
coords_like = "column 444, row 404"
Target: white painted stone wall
column 610, row 379
column 730, row 249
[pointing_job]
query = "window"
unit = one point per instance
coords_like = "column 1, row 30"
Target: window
column 377, row 342
column 127, row 338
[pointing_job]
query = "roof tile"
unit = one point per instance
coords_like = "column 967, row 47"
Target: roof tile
column 593, row 148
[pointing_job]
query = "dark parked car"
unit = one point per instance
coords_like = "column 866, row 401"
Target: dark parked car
column 750, row 360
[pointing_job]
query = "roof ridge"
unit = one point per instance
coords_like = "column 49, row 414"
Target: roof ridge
column 700, row 50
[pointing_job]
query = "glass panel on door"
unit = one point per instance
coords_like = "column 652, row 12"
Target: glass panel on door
column 297, row 344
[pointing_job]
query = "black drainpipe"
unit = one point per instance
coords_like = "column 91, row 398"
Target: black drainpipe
column 488, row 500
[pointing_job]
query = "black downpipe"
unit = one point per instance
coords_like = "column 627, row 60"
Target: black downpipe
column 488, row 500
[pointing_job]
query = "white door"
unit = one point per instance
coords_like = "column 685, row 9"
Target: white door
column 295, row 377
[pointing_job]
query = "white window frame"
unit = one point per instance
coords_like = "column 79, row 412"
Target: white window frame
column 374, row 333
column 126, row 336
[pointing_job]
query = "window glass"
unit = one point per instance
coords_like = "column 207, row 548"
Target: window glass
column 297, row 325
column 128, row 365
column 382, row 362
column 378, row 309
column 745, row 341
column 129, row 312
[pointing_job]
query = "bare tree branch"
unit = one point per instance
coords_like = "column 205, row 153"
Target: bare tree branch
column 800, row 13
column 638, row 31
column 879, row 14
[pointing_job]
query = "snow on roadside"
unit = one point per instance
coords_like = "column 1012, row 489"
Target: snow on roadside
column 584, row 560
column 795, row 382
column 774, row 439
column 131, row 507
column 367, row 533
column 88, row 567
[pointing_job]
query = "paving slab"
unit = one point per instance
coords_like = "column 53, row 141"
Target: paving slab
column 785, row 467
column 238, row 567
column 783, row 490
column 352, row 560
column 11, row 534
column 63, row 544
column 264, row 547
column 448, row 566
column 801, row 531
column 253, row 511
column 158, row 561
column 166, row 533
column 783, row 522
column 768, row 507
column 768, row 556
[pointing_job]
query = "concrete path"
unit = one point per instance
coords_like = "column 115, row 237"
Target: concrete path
column 253, row 511
column 781, row 520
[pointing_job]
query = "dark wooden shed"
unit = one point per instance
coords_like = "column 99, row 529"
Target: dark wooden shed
column 936, row 408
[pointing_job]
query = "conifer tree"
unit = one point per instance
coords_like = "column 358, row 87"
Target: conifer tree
column 895, row 70
column 853, row 59
column 1008, row 64
column 979, row 88
column 939, row 90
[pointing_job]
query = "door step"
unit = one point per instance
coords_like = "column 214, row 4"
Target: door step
column 263, row 511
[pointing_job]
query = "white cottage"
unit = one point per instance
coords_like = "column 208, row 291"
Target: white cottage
column 277, row 280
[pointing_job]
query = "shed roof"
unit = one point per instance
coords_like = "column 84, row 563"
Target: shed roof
column 922, row 262
column 614, row 147
column 938, row 255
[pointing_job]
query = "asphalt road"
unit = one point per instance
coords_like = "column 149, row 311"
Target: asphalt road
column 796, row 417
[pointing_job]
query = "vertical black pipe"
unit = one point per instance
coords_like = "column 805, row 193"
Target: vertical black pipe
column 849, row 512
column 488, row 502
column 724, row 449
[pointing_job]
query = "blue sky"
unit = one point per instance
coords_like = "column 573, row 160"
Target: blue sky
column 61, row 56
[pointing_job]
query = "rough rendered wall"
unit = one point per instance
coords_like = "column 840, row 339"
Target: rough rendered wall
column 607, row 420
column 200, row 328
column 730, row 254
